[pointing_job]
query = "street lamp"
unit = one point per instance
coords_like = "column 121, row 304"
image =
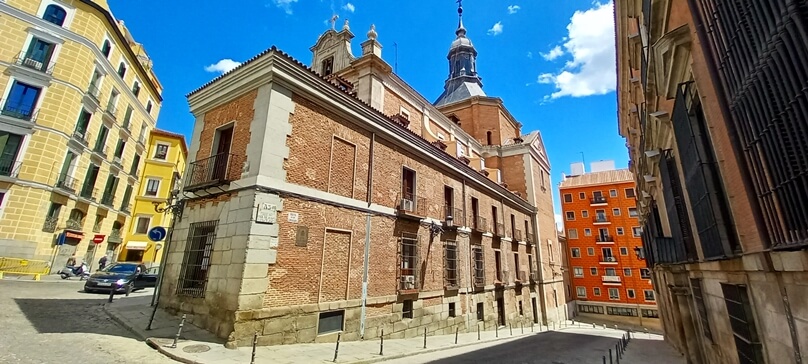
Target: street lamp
column 157, row 248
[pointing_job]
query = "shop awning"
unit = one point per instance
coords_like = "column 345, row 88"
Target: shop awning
column 137, row 245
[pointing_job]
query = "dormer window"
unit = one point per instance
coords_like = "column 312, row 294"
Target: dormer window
column 328, row 66
column 55, row 14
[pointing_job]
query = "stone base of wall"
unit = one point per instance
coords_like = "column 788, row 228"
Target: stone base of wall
column 20, row 249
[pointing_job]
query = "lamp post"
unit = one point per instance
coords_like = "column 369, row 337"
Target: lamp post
column 173, row 206
column 157, row 248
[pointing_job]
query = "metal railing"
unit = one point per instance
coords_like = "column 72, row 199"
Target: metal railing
column 116, row 161
column 453, row 214
column 24, row 266
column 480, row 224
column 214, row 170
column 411, row 204
column 114, row 236
column 92, row 91
column 82, row 137
column 9, row 167
column 600, row 219
column 101, row 150
column 607, row 259
column 111, row 110
column 66, row 183
column 49, row 226
column 597, row 200
column 604, row 239
column 141, row 140
column 126, row 207
column 89, row 193
column 25, row 60
column 18, row 110
column 74, row 224
column 108, row 199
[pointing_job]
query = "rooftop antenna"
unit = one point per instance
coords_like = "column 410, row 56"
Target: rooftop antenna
column 395, row 69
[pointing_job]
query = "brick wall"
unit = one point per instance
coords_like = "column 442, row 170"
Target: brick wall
column 239, row 111
column 393, row 104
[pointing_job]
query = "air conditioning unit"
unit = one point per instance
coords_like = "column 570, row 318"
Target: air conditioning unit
column 611, row 259
column 408, row 282
column 407, row 205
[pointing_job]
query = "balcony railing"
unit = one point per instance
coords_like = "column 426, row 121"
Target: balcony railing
column 479, row 279
column 410, row 204
column 116, row 162
column 66, row 183
column 18, row 110
column 111, row 110
column 530, row 238
column 74, row 224
column 141, row 141
column 25, row 60
column 114, row 236
column 480, row 224
column 453, row 214
column 607, row 259
column 499, row 230
column 108, row 199
column 126, row 207
column 9, row 167
column 600, row 219
column 93, row 92
column 97, row 227
column 89, row 193
column 597, row 200
column 604, row 239
column 517, row 235
column 101, row 150
column 135, row 172
column 214, row 170
column 50, row 224
column 610, row 279
column 82, row 137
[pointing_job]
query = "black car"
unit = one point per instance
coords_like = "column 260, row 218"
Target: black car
column 119, row 276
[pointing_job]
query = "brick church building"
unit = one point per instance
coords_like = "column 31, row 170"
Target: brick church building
column 334, row 198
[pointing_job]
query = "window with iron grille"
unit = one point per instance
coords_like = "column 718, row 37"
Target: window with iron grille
column 702, row 177
column 480, row 311
column 195, row 264
column 649, row 295
column 758, row 50
column 749, row 348
column 645, row 273
column 406, row 310
column 452, row 309
column 450, row 261
column 408, row 269
column 479, row 265
column 701, row 308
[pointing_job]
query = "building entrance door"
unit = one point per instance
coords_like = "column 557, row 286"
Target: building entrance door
column 535, row 310
column 501, row 311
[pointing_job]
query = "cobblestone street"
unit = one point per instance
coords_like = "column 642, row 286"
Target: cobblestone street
column 53, row 322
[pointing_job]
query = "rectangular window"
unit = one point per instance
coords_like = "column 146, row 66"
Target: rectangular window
column 39, row 55
column 747, row 342
column 498, row 266
column 450, row 261
column 581, row 291
column 330, row 322
column 587, row 232
column 612, row 193
column 611, row 272
column 650, row 313
column 521, row 309
column 623, row 250
column 83, row 123
column 119, row 149
column 142, row 226
column 701, row 307
column 590, row 309
column 408, row 270
column 572, row 233
column 632, row 212
column 113, row 101
column 135, row 166
column 645, row 273
column 9, row 151
column 593, row 271
column 122, row 70
column 630, row 293
column 621, row 311
column 615, row 212
column 406, row 309
column 590, row 251
column 127, row 117
column 152, row 187
column 630, row 193
column 106, row 48
column 578, row 271
column 636, row 231
column 101, row 141
column 136, row 89
column 452, row 312
column 479, row 266
column 614, row 294
column 161, row 151
column 596, row 291
column 584, row 213
column 582, row 196
column 627, row 272
column 567, row 197
column 480, row 311
column 620, row 231
column 649, row 295
column 148, row 106
column 327, row 66
column 570, row 215
column 576, row 252
column 196, row 262
column 21, row 101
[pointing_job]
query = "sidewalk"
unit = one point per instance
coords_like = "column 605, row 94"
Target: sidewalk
column 199, row 346
column 43, row 278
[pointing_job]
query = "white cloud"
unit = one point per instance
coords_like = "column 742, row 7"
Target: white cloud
column 349, row 7
column 529, row 54
column 553, row 53
column 286, row 5
column 591, row 44
column 496, row 29
column 512, row 9
column 223, row 66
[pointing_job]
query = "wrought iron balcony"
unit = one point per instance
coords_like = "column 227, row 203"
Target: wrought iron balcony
column 110, row 111
column 598, row 200
column 479, row 279
column 601, row 219
column 480, row 224
column 82, row 137
column 453, row 216
column 93, row 92
column 108, row 199
column 607, row 259
column 517, row 235
column 25, row 60
column 74, row 224
column 18, row 110
column 604, row 239
column 611, row 279
column 411, row 204
column 213, row 171
column 50, row 224
column 114, row 236
column 126, row 207
column 66, row 183
column 101, row 150
column 89, row 193
column 9, row 167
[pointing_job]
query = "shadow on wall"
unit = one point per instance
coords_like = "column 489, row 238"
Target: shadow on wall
column 59, row 316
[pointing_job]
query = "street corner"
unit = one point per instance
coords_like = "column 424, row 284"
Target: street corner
column 196, row 352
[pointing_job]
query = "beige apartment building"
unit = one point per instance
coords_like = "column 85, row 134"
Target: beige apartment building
column 79, row 99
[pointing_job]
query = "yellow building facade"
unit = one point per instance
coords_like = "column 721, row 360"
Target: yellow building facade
column 79, row 100
column 164, row 164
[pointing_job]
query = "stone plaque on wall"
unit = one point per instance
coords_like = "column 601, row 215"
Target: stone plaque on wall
column 267, row 213
column 302, row 236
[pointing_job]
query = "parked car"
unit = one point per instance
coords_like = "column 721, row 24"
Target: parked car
column 119, row 276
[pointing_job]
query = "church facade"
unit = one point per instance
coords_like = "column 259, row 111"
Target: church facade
column 336, row 199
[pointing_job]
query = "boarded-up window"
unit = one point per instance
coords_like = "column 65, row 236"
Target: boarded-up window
column 335, row 271
column 341, row 172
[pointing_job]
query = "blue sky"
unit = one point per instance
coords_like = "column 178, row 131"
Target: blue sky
column 552, row 62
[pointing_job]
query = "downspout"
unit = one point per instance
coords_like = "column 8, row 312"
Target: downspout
column 470, row 286
column 367, row 239
column 540, row 269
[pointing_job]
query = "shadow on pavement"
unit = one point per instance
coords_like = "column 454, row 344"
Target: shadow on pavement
column 65, row 316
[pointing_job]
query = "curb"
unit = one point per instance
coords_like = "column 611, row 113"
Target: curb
column 156, row 346
column 123, row 323
column 427, row 351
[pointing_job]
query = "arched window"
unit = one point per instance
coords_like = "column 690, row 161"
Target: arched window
column 122, row 70
column 106, row 48
column 136, row 89
column 55, row 14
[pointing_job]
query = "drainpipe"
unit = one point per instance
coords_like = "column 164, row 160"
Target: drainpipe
column 367, row 240
column 470, row 286
column 540, row 261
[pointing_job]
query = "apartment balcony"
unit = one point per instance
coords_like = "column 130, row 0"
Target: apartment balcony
column 517, row 235
column 9, row 167
column 604, row 239
column 91, row 97
column 66, row 183
column 126, row 129
column 480, row 224
column 50, row 224
column 534, row 276
column 499, row 230
column 216, row 170
column 81, row 138
column 17, row 110
column 409, row 204
column 108, row 200
column 110, row 117
column 100, row 152
column 479, row 279
column 453, row 216
column 89, row 193
column 114, row 236
column 97, row 227
column 117, row 163
column 75, row 225
column 141, row 147
column 26, row 61
column 598, row 201
column 530, row 238
column 611, row 279
column 601, row 220
column 126, row 207
column 451, row 280
column 608, row 259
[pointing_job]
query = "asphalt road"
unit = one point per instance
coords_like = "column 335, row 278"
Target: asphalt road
column 53, row 322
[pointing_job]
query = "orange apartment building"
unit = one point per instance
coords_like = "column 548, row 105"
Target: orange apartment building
column 609, row 278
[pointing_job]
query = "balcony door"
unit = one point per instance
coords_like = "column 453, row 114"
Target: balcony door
column 607, row 254
column 9, row 150
column 39, row 54
column 408, row 184
column 600, row 215
column 603, row 234
column 21, row 101
column 222, row 155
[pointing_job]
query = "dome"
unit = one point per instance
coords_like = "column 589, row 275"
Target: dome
column 461, row 42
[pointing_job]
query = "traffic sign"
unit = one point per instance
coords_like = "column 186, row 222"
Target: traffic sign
column 157, row 233
column 60, row 240
column 98, row 239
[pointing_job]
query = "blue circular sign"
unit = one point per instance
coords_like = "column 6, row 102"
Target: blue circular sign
column 157, row 233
